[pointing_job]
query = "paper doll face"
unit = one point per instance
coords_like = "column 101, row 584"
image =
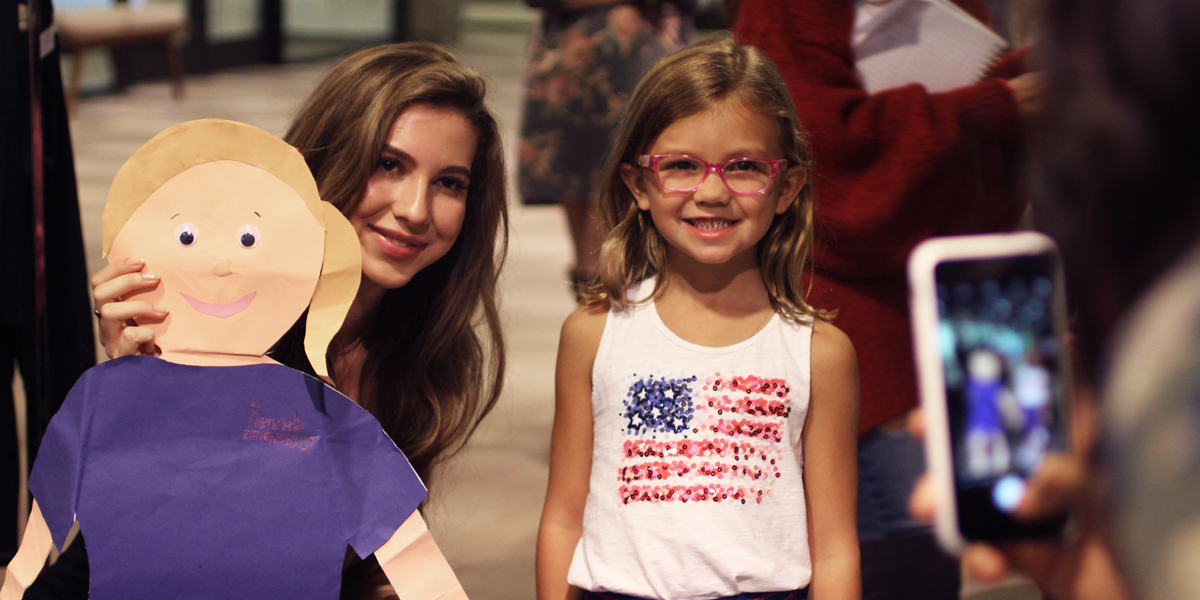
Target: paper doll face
column 238, row 252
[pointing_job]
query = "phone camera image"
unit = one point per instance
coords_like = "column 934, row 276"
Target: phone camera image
column 1002, row 358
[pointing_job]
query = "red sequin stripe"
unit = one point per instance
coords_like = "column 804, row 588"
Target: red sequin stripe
column 658, row 470
column 693, row 493
column 742, row 427
column 749, row 384
column 746, row 405
column 698, row 448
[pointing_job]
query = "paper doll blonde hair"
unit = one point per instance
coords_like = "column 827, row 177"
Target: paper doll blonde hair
column 193, row 143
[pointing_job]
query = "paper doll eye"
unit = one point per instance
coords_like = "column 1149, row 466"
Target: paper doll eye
column 186, row 234
column 248, row 236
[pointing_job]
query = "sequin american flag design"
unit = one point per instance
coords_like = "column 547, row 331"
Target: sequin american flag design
column 702, row 438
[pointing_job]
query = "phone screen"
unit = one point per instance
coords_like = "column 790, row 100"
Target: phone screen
column 1005, row 384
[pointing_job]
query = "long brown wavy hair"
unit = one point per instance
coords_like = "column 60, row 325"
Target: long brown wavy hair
column 434, row 347
column 678, row 86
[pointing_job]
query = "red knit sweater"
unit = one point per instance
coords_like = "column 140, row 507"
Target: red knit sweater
column 890, row 170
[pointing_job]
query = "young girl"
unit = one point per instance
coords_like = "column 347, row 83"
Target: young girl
column 704, row 434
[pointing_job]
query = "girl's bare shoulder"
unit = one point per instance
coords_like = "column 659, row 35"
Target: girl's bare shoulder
column 831, row 348
column 585, row 325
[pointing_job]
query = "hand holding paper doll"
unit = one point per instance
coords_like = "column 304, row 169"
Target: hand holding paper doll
column 119, row 332
column 213, row 471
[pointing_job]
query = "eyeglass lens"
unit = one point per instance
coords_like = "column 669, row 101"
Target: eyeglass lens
column 746, row 176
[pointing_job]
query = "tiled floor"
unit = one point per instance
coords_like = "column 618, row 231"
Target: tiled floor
column 487, row 501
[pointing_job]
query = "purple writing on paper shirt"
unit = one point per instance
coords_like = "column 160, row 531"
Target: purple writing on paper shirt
column 281, row 432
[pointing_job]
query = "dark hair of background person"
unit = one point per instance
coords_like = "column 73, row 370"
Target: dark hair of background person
column 730, row 9
column 429, row 376
column 1118, row 181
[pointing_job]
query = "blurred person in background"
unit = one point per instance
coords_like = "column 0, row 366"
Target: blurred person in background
column 585, row 59
column 1119, row 189
column 47, row 336
column 891, row 169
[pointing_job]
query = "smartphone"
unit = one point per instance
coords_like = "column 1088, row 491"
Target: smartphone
column 989, row 326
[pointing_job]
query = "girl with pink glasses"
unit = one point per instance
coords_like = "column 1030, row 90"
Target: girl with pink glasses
column 706, row 415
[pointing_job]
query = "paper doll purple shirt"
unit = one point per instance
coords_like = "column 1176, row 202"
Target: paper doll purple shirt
column 218, row 482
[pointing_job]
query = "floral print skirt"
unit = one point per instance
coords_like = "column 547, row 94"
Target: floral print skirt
column 583, row 66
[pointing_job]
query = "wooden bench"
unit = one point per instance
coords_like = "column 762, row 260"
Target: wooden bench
column 162, row 25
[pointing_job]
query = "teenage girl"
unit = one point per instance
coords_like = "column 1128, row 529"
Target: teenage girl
column 706, row 415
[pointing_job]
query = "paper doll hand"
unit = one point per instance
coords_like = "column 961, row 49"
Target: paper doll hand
column 414, row 565
column 119, row 334
column 30, row 557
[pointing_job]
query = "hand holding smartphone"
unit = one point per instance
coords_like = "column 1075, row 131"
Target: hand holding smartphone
column 989, row 326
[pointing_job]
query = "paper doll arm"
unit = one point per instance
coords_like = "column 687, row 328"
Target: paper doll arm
column 30, row 557
column 415, row 566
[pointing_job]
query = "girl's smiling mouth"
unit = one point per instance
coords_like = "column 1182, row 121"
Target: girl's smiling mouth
column 397, row 244
column 220, row 310
column 710, row 226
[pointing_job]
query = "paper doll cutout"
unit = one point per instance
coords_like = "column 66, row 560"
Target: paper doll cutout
column 262, row 170
column 253, row 266
column 214, row 472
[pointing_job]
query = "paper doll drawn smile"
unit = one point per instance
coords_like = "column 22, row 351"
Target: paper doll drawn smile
column 220, row 310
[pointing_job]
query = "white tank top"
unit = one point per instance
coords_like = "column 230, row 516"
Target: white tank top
column 696, row 489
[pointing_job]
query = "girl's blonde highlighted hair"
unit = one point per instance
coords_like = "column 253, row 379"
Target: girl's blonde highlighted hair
column 186, row 145
column 680, row 85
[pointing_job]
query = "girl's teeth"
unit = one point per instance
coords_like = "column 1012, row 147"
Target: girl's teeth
column 710, row 224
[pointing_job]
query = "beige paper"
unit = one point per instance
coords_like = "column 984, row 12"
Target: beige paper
column 28, row 561
column 194, row 143
column 341, row 274
column 222, row 297
column 217, row 180
column 415, row 566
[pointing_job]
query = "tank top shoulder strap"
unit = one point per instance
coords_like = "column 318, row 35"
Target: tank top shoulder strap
column 798, row 340
column 619, row 325
column 636, row 311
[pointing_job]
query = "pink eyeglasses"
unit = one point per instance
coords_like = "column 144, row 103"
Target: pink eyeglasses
column 683, row 173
